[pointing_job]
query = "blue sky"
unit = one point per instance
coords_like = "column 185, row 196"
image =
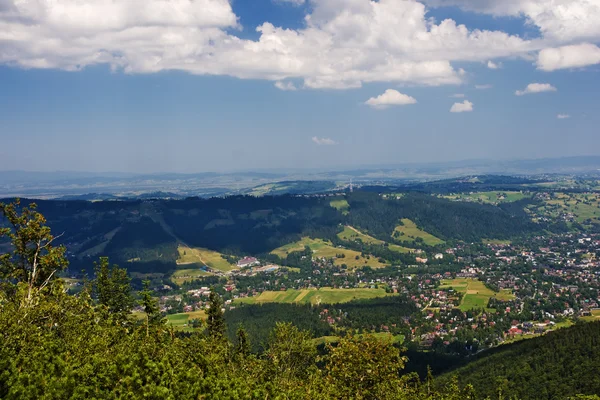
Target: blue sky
column 193, row 93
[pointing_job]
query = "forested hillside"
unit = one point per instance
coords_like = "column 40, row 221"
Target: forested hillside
column 553, row 366
column 143, row 235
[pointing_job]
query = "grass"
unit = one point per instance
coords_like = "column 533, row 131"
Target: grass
column 180, row 321
column 322, row 248
column 410, row 232
column 352, row 234
column 314, row 296
column 574, row 204
column 396, row 339
column 200, row 257
column 341, row 205
column 183, row 275
column 594, row 317
column 475, row 293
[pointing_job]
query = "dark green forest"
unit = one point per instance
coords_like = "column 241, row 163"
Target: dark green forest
column 553, row 366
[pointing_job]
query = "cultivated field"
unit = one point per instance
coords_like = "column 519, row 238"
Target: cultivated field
column 188, row 274
column 200, row 257
column 180, row 321
column 322, row 248
column 314, row 296
column 409, row 232
column 351, row 234
column 475, row 294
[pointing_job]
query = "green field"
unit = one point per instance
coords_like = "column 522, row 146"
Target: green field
column 314, row 296
column 409, row 232
column 396, row 339
column 188, row 274
column 352, row 234
column 341, row 205
column 188, row 257
column 583, row 206
column 475, row 294
column 594, row 317
column 180, row 321
column 494, row 197
column 322, row 248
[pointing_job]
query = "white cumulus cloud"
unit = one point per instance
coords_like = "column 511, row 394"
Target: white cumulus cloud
column 465, row 106
column 536, row 88
column 390, row 98
column 288, row 86
column 323, row 141
column 563, row 116
column 493, row 65
column 574, row 56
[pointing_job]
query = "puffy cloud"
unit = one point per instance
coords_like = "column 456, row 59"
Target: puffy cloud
column 323, row 141
column 293, row 2
column 288, row 86
column 557, row 20
column 343, row 44
column 465, row 106
column 483, row 87
column 390, row 98
column 536, row 88
column 563, row 116
column 574, row 56
column 493, row 65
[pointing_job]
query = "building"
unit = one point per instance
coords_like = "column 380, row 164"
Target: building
column 247, row 262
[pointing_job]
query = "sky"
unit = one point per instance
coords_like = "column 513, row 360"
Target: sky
column 220, row 85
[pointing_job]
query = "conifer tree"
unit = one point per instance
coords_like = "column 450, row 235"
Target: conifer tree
column 215, row 321
column 113, row 288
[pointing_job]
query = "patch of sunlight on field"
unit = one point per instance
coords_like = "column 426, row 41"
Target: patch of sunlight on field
column 199, row 256
column 409, row 232
column 475, row 293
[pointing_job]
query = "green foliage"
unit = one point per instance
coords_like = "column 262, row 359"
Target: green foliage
column 555, row 365
column 34, row 260
column 113, row 289
column 215, row 322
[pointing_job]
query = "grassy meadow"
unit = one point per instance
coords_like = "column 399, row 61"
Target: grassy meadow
column 314, row 296
column 351, row 234
column 409, row 232
column 189, row 257
column 322, row 248
column 475, row 293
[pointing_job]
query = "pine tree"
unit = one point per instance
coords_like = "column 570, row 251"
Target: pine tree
column 150, row 305
column 242, row 346
column 215, row 321
column 113, row 288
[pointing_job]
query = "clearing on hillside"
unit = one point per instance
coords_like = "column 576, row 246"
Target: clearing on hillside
column 322, row 248
column 180, row 321
column 314, row 296
column 340, row 205
column 200, row 257
column 475, row 293
column 409, row 232
column 352, row 234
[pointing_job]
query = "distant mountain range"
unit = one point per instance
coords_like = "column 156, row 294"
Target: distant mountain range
column 68, row 184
